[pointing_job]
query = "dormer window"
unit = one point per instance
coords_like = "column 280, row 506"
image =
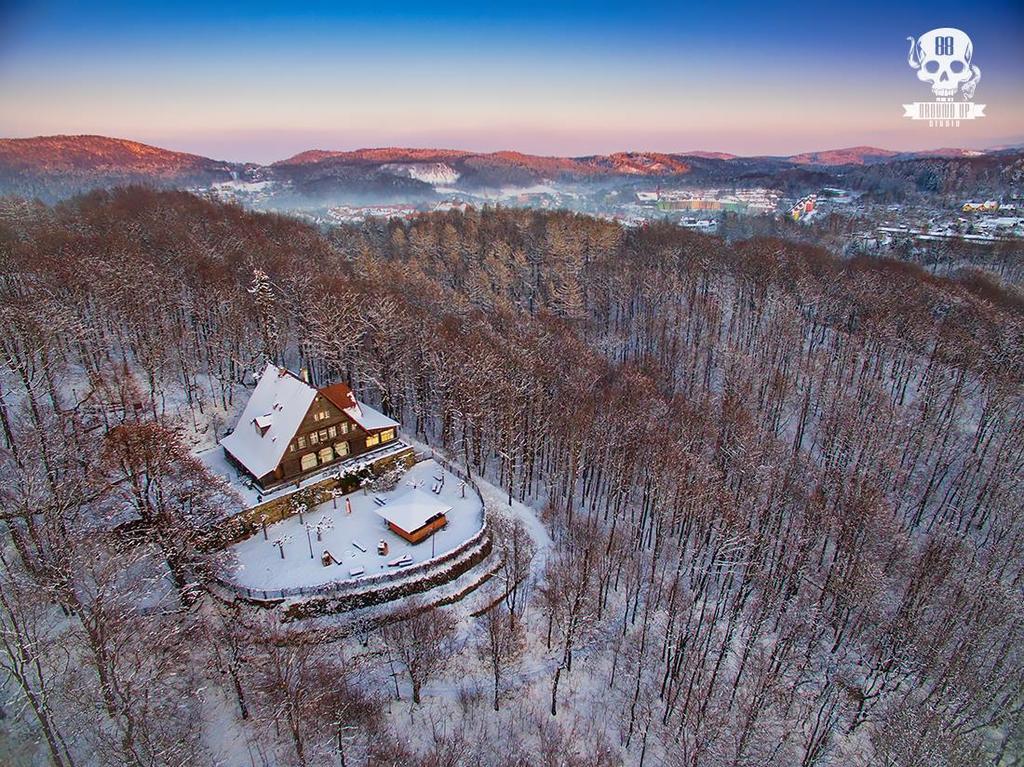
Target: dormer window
column 263, row 423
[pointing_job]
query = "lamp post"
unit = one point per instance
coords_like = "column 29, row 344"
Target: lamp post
column 280, row 542
column 309, row 540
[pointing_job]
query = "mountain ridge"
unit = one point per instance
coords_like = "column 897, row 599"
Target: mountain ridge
column 55, row 167
column 93, row 148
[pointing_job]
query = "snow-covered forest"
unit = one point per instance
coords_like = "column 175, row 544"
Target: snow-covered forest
column 766, row 505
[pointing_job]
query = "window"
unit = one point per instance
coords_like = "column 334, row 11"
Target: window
column 332, row 431
column 291, row 448
column 308, row 461
column 372, row 439
column 301, row 442
column 387, row 434
column 320, row 415
column 341, row 448
column 344, row 427
column 323, row 435
column 326, row 455
column 313, row 438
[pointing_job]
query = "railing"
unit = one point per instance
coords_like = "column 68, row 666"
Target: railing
column 369, row 582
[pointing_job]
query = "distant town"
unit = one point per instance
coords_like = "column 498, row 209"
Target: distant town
column 852, row 222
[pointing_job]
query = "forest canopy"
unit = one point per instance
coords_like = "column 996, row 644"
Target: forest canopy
column 784, row 489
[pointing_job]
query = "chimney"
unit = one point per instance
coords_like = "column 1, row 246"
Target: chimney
column 304, row 374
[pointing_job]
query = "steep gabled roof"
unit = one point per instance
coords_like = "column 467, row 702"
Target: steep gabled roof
column 341, row 397
column 271, row 417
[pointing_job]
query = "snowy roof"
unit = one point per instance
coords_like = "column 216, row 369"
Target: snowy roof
column 271, row 417
column 411, row 510
column 364, row 415
column 370, row 419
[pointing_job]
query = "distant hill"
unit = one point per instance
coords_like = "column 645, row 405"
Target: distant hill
column 55, row 167
column 870, row 155
column 855, row 155
column 479, row 169
column 51, row 167
column 711, row 155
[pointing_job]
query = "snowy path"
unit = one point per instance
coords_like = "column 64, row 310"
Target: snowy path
column 496, row 500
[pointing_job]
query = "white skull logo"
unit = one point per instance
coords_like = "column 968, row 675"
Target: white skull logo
column 942, row 57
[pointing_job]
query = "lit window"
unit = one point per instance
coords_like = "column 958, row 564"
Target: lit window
column 323, row 435
column 326, row 455
column 291, row 448
column 341, row 448
column 313, row 438
column 302, row 442
column 308, row 461
column 344, row 427
column 332, row 431
column 387, row 434
column 372, row 439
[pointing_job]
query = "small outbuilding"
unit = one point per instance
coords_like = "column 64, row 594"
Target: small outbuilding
column 414, row 515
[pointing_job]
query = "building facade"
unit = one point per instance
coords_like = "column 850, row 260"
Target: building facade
column 290, row 430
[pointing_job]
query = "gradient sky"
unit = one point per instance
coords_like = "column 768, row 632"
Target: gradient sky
column 261, row 81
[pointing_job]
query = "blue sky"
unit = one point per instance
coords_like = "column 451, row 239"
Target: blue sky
column 261, row 81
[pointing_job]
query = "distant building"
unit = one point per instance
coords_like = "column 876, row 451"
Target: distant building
column 454, row 204
column 705, row 203
column 803, row 206
column 414, row 515
column 753, row 200
column 989, row 206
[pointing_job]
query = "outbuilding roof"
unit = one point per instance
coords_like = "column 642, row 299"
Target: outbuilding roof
column 411, row 510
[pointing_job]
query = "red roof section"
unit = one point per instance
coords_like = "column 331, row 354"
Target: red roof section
column 339, row 395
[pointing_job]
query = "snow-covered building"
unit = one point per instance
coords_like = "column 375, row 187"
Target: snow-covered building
column 290, row 430
column 415, row 515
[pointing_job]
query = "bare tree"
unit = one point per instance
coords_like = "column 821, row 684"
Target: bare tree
column 517, row 551
column 423, row 640
column 500, row 642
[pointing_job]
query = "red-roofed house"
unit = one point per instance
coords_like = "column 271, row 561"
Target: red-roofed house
column 289, row 429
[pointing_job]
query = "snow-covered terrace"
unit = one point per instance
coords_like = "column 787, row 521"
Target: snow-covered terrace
column 259, row 562
column 217, row 463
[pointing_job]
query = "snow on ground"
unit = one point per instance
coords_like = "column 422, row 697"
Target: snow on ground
column 427, row 172
column 244, row 186
column 496, row 499
column 259, row 561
